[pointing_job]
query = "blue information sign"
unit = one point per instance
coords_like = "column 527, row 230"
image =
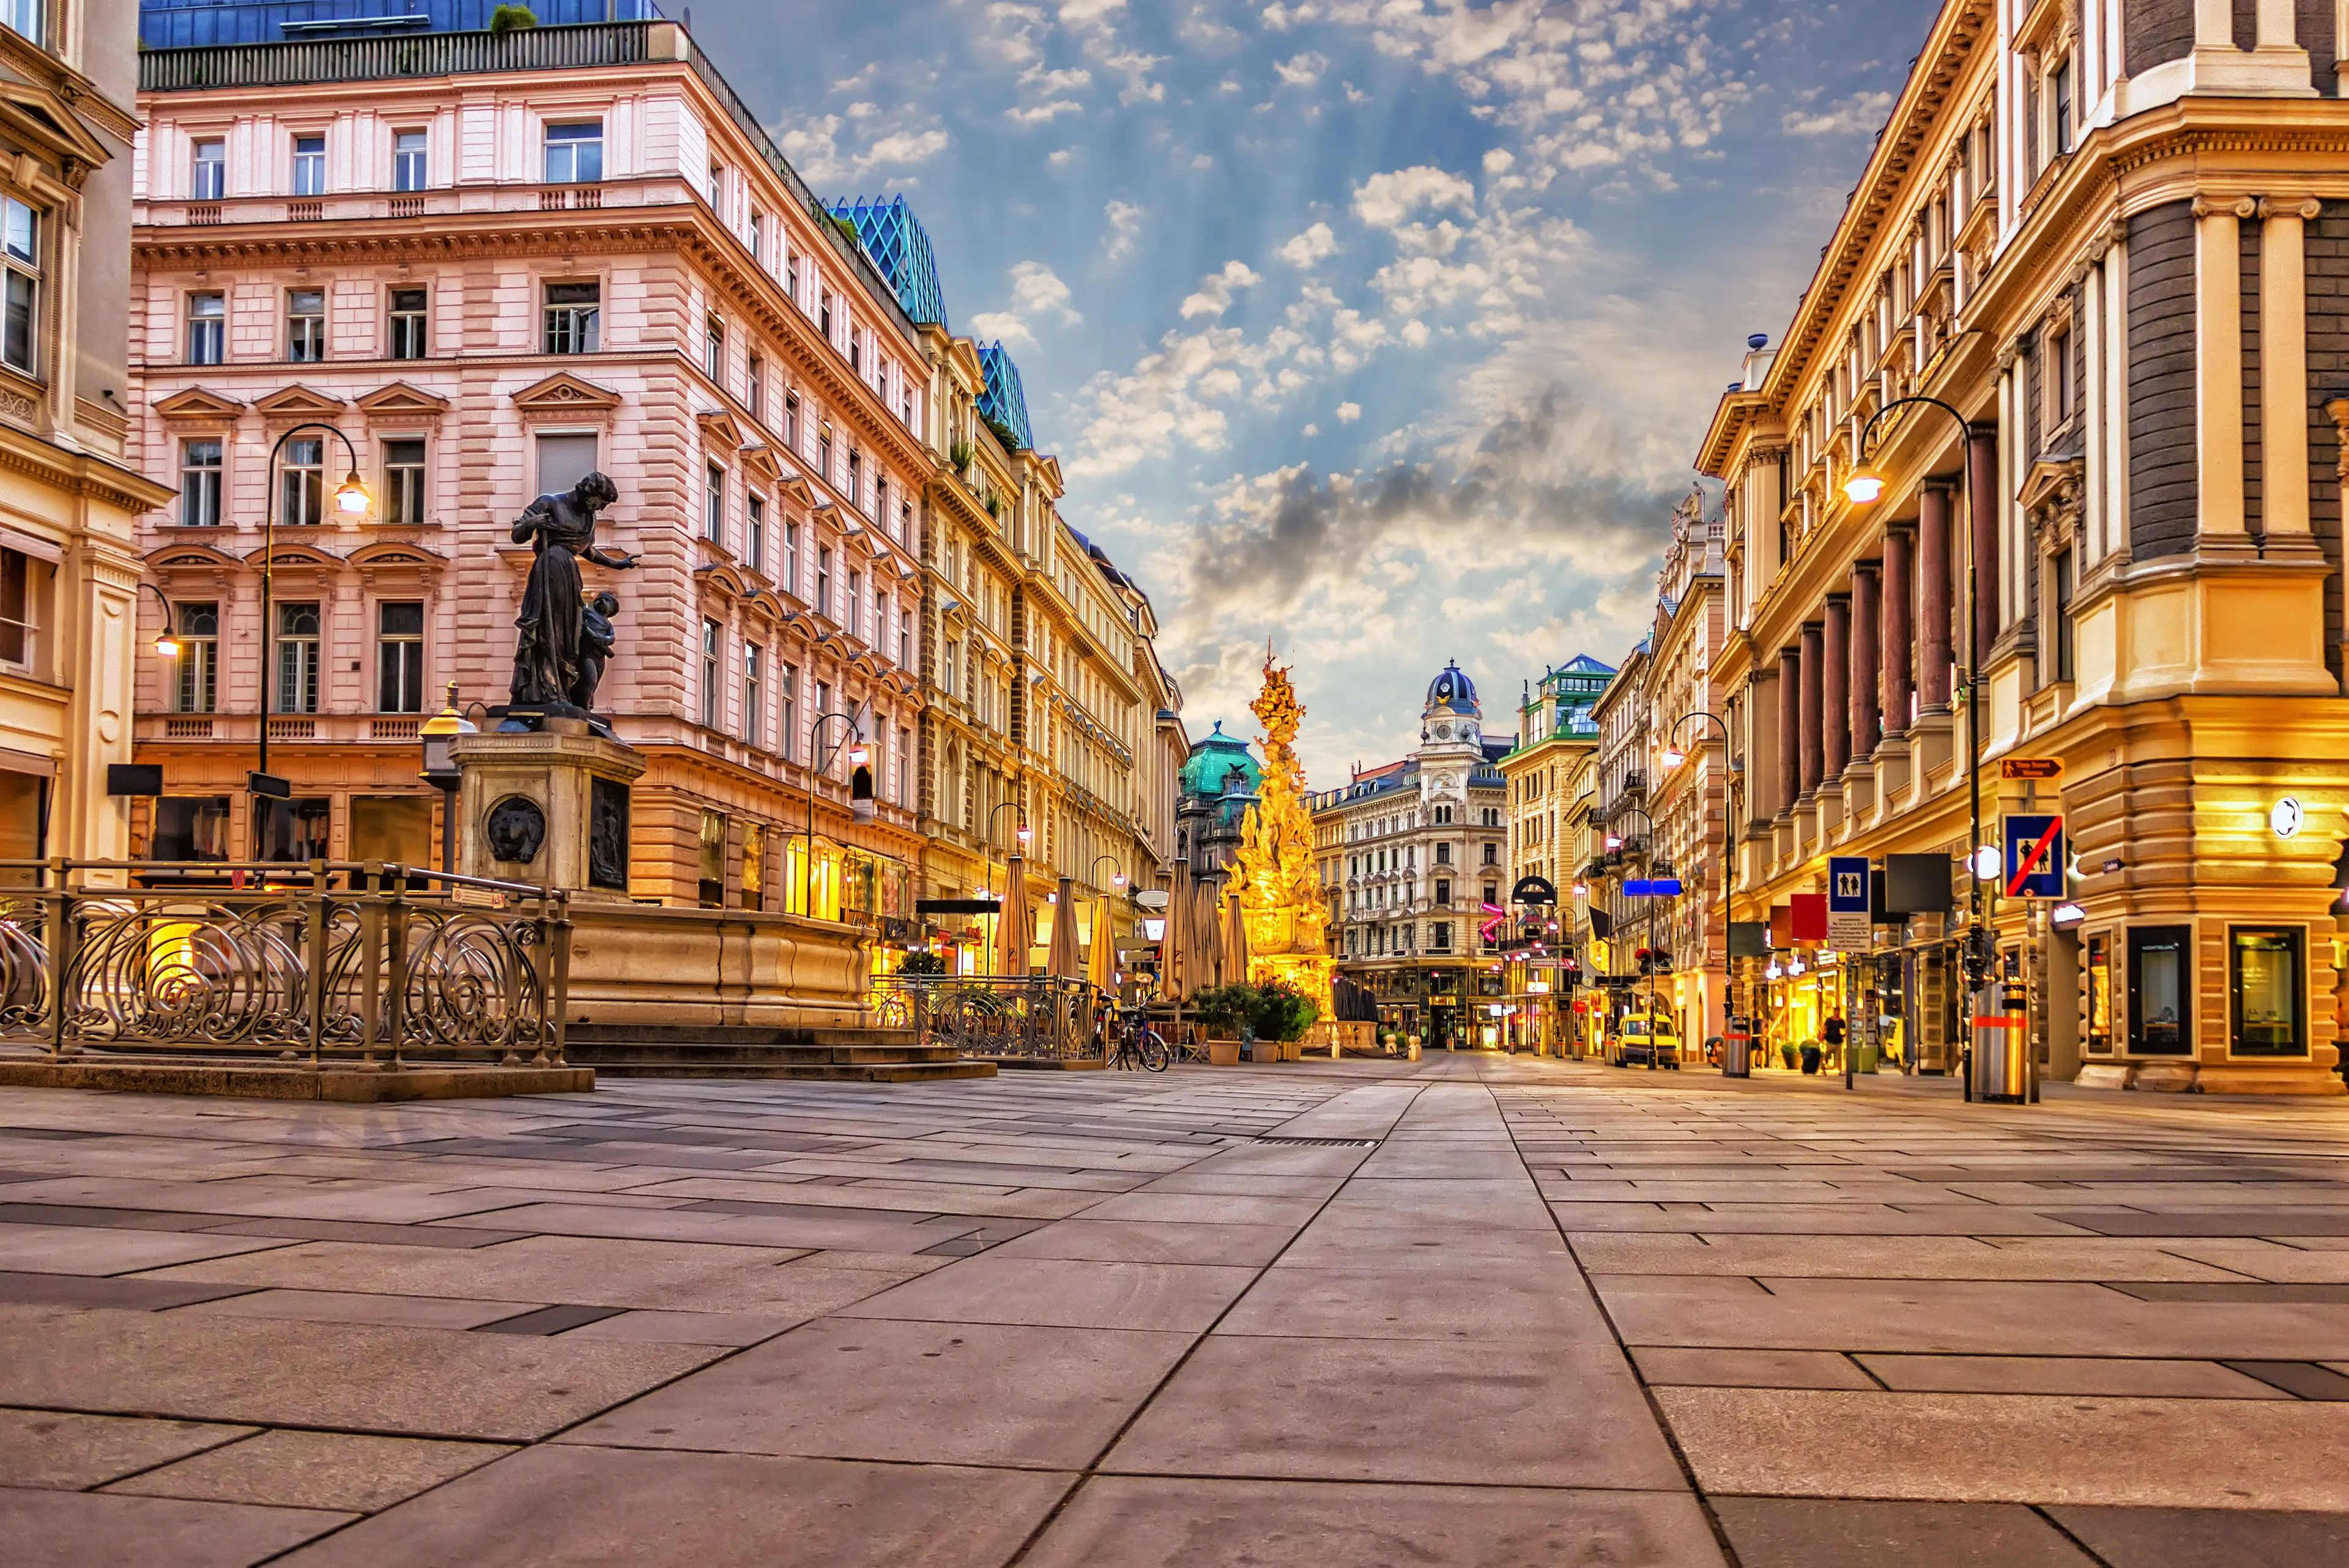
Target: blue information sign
column 2035, row 857
column 1847, row 902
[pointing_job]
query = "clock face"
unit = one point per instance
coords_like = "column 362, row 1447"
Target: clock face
column 2285, row 817
column 1442, row 732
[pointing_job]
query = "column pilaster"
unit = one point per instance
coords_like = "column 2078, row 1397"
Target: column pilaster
column 1933, row 599
column 2283, row 358
column 1867, row 686
column 2218, row 361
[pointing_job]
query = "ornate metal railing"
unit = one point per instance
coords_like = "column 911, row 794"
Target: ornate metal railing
column 996, row 1018
column 313, row 963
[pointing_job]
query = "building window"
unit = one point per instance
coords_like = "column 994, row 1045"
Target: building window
column 2264, row 974
column 757, row 389
column 563, row 460
column 2061, row 95
column 573, row 318
column 297, row 658
column 20, row 235
column 199, row 484
column 309, row 166
column 823, row 453
column 408, row 322
column 208, row 175
column 792, row 420
column 947, row 665
column 403, row 484
column 713, row 350
column 207, row 329
column 787, row 708
column 190, row 828
column 791, row 558
column 305, row 326
column 757, row 241
column 293, row 831
column 399, row 657
column 754, row 865
column 1443, row 893
column 574, row 153
column 2160, row 990
column 302, row 479
column 1442, row 853
column 754, row 713
column 857, row 478
column 2064, row 616
column 712, row 890
column 754, row 544
column 409, row 167
column 824, row 316
column 713, row 506
column 855, row 606
column 22, row 591
column 792, row 276
column 2100, row 997
column 824, row 582
column 1443, row 816
column 710, row 676
column 196, row 670
column 1491, row 857
column 1440, row 937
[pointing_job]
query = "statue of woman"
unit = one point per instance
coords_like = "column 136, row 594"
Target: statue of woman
column 560, row 529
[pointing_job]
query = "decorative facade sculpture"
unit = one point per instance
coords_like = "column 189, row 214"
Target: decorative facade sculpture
column 553, row 625
column 1274, row 873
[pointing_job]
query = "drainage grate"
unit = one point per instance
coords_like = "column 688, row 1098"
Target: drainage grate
column 1322, row 1142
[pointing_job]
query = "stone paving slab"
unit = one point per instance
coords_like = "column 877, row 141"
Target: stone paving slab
column 1110, row 1318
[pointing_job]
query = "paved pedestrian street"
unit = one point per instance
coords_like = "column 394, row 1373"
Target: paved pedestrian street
column 1471, row 1310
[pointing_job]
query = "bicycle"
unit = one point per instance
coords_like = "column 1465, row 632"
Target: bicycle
column 1135, row 1043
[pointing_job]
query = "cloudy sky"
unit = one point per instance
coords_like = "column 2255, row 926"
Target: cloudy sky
column 1383, row 328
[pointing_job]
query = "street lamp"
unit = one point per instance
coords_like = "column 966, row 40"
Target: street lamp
column 440, row 769
column 350, row 499
column 818, row 762
column 1001, row 807
column 166, row 645
column 1865, row 487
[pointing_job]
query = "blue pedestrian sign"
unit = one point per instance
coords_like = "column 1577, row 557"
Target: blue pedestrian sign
column 2035, row 860
column 1847, row 902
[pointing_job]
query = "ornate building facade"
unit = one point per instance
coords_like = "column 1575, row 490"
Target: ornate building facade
column 1547, row 775
column 1411, row 861
column 493, row 263
column 2108, row 236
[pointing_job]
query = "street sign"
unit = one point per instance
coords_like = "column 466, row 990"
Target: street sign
column 1652, row 887
column 1532, row 889
column 2035, row 857
column 957, row 906
column 2032, row 770
column 1847, row 902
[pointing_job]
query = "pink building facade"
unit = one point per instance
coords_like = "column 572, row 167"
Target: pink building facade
column 494, row 264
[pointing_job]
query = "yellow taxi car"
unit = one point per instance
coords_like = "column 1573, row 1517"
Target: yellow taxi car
column 1647, row 1039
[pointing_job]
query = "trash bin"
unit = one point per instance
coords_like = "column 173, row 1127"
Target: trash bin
column 1737, row 1049
column 1811, row 1055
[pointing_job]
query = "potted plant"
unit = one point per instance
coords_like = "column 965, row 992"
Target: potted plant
column 1224, row 1011
column 1280, row 1014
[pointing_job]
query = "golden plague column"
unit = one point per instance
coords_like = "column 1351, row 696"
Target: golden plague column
column 1280, row 897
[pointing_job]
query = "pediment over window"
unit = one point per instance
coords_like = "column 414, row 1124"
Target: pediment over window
column 299, row 402
column 198, row 403
column 759, row 462
column 720, row 431
column 400, row 400
column 181, row 556
column 297, row 554
column 37, row 114
column 565, row 394
column 390, row 554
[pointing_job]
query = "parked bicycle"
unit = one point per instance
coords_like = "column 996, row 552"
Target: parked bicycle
column 1131, row 1042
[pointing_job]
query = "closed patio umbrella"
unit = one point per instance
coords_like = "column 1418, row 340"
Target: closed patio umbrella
column 1235, row 942
column 1207, row 935
column 1013, row 929
column 1100, row 958
column 1060, row 959
column 1176, row 966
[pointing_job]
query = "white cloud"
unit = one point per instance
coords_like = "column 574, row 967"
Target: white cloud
column 1205, row 160
column 813, row 146
column 1313, row 245
column 1863, row 113
column 1349, row 412
column 1300, row 71
column 1125, row 229
column 1384, row 201
column 1037, row 292
column 1042, row 113
column 1310, row 430
column 1214, row 292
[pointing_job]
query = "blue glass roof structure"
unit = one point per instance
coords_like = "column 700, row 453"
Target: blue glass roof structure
column 1004, row 401
column 204, row 23
column 900, row 247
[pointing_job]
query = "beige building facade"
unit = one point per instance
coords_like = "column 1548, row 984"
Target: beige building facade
column 2109, row 237
column 69, row 487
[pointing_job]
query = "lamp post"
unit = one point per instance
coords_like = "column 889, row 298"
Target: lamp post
column 1673, row 758
column 1865, row 487
column 167, row 645
column 818, row 762
column 1021, row 832
column 351, row 499
column 440, row 769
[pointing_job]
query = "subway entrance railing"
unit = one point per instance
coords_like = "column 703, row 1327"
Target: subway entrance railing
column 308, row 964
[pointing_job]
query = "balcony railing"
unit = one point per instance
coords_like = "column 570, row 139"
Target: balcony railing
column 377, row 60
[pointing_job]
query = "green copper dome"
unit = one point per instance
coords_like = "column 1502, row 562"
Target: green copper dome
column 1211, row 762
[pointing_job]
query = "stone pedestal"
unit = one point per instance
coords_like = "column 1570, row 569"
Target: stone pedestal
column 549, row 807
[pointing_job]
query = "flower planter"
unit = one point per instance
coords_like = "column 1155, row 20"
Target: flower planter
column 1223, row 1053
column 1267, row 1051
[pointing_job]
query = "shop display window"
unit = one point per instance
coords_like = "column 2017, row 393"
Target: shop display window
column 2264, row 970
column 394, row 829
column 2160, row 990
column 2100, row 997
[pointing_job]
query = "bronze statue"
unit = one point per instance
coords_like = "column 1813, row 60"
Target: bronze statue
column 552, row 622
column 596, row 642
